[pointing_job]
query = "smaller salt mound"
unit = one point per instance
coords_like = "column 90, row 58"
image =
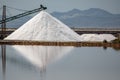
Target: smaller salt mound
column 44, row 27
column 97, row 37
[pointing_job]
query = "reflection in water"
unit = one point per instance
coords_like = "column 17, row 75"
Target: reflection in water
column 34, row 63
column 40, row 56
column 104, row 47
column 3, row 51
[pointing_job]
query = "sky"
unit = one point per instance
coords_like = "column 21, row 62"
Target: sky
column 112, row 6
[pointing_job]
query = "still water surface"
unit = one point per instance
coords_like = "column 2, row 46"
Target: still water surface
column 59, row 63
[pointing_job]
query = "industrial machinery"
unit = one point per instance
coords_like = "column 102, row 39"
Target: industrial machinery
column 4, row 19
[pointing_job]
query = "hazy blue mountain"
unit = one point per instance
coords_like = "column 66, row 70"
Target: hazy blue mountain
column 93, row 17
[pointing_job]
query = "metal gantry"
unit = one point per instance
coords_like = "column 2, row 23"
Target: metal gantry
column 3, row 25
column 4, row 19
column 23, row 14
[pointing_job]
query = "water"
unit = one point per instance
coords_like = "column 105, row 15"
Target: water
column 59, row 63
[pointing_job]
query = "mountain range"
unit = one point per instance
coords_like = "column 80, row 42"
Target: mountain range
column 91, row 18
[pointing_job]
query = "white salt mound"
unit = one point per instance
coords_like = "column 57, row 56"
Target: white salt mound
column 97, row 37
column 44, row 27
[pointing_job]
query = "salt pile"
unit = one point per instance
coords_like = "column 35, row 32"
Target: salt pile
column 44, row 27
column 97, row 37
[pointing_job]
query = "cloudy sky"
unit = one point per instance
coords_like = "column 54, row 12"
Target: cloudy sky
column 112, row 6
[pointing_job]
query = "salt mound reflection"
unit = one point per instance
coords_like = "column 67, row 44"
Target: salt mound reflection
column 40, row 56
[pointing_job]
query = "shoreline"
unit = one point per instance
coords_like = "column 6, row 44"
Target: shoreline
column 53, row 43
